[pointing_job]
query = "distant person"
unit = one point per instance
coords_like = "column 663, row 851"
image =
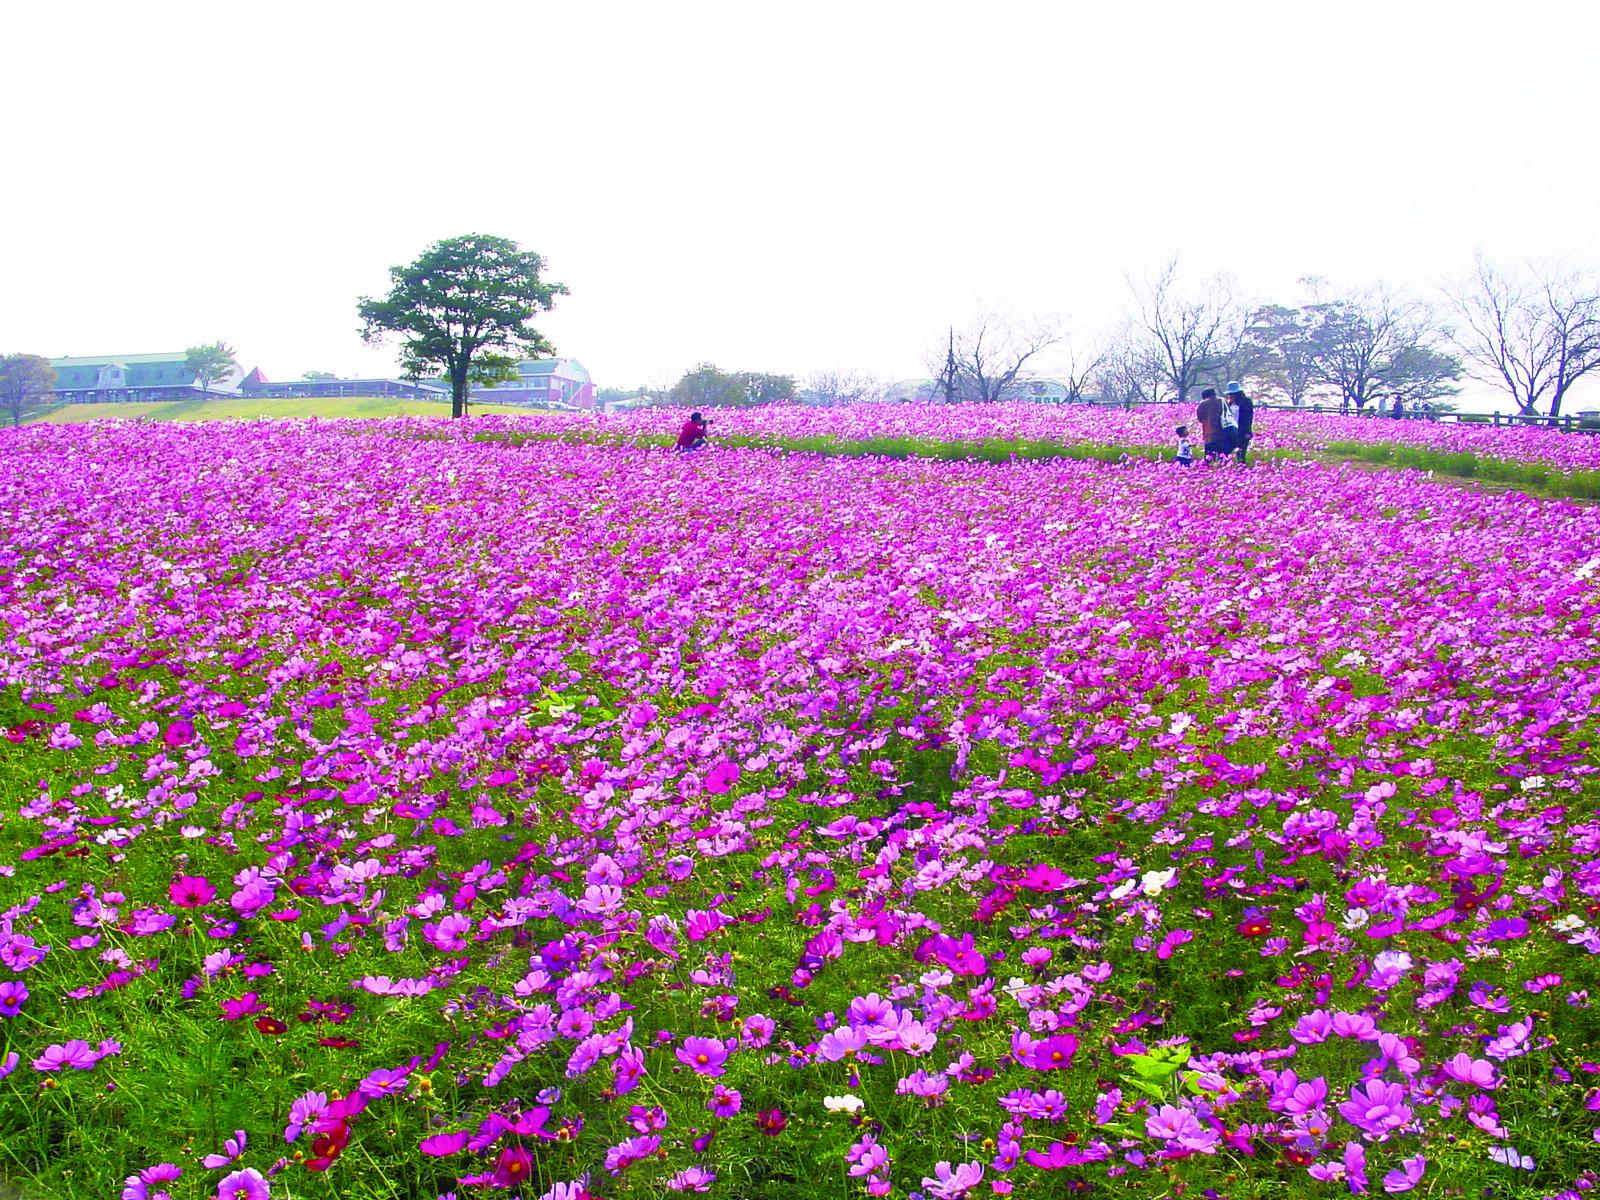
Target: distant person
column 1428, row 412
column 1243, row 410
column 1185, row 455
column 693, row 434
column 1399, row 410
column 1209, row 413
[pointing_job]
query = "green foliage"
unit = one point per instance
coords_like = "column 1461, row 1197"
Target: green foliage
column 708, row 386
column 25, row 383
column 319, row 376
column 464, row 308
column 1365, row 346
column 210, row 363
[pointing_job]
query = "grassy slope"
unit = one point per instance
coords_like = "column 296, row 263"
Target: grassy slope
column 247, row 410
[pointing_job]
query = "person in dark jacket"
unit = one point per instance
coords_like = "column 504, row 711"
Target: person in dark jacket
column 1209, row 413
column 1244, row 419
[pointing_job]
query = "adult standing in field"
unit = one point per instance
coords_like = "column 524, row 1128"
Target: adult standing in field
column 1244, row 418
column 693, row 434
column 1209, row 413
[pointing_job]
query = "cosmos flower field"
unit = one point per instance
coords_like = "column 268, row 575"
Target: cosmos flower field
column 387, row 811
column 1281, row 429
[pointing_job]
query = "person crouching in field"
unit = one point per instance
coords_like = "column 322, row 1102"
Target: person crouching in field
column 693, row 434
column 1185, row 455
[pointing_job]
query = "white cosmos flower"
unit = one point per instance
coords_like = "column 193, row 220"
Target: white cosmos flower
column 1155, row 882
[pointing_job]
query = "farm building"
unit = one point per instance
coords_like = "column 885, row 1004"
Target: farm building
column 118, row 377
column 256, row 384
column 552, row 382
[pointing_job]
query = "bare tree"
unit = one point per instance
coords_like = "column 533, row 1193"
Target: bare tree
column 991, row 352
column 1192, row 332
column 843, row 386
column 1131, row 368
column 1535, row 335
column 1083, row 368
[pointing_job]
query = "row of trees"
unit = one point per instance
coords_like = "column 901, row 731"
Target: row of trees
column 708, row 386
column 1533, row 333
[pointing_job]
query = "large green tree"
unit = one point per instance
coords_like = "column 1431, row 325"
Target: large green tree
column 210, row 363
column 463, row 309
column 25, row 382
column 1373, row 343
column 708, row 386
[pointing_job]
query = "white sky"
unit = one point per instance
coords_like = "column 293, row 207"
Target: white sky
column 766, row 186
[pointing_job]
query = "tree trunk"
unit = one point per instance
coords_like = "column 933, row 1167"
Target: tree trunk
column 458, row 394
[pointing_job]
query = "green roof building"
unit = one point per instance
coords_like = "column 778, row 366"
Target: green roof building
column 128, row 377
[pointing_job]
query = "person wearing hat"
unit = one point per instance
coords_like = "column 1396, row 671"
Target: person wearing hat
column 1244, row 418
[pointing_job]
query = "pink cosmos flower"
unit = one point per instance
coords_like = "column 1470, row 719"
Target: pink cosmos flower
column 1181, row 1130
column 1407, row 1177
column 725, row 1101
column 137, row 1187
column 248, row 1184
column 1355, row 1168
column 246, row 1005
column 704, row 1056
column 1377, row 1109
column 1475, row 1072
column 692, row 1179
column 76, row 1054
column 384, row 1082
column 232, row 1148
column 953, row 1182
column 629, row 1151
column 1312, row 1028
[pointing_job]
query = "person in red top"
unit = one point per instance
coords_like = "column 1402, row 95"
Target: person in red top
column 693, row 434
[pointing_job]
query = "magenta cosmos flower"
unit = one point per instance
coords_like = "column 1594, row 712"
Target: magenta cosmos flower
column 1053, row 1054
column 191, row 891
column 705, row 1056
column 247, row 1184
column 11, row 997
column 76, row 1054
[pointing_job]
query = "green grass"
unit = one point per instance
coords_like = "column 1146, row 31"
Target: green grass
column 1534, row 478
column 326, row 407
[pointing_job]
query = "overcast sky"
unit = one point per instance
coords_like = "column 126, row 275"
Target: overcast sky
column 763, row 185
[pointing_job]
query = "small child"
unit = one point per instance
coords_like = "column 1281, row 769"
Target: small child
column 1185, row 447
